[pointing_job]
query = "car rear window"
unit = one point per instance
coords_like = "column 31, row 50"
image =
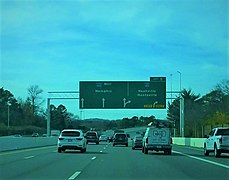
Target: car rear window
column 71, row 133
column 91, row 134
column 138, row 138
column 120, row 135
column 223, row 132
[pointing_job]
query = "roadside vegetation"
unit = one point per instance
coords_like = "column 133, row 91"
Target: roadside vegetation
column 27, row 116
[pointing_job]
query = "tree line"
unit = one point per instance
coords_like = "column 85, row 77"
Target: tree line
column 28, row 116
column 201, row 113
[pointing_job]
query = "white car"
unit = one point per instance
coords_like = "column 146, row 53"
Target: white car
column 103, row 138
column 72, row 139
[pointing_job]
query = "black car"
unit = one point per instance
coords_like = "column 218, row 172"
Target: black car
column 92, row 136
column 120, row 139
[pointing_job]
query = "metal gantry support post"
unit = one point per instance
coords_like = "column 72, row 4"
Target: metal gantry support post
column 181, row 116
column 48, row 117
column 61, row 95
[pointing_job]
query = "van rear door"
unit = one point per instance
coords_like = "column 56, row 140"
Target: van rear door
column 159, row 136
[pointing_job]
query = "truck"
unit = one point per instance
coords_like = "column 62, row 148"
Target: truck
column 217, row 141
column 157, row 139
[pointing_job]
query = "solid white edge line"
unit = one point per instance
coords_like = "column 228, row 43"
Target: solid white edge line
column 77, row 173
column 210, row 162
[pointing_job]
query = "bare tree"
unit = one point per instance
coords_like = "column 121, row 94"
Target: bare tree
column 34, row 96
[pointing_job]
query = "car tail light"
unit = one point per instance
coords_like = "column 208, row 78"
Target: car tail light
column 220, row 140
column 146, row 140
column 61, row 139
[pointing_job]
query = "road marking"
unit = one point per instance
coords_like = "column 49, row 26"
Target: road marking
column 101, row 151
column 29, row 157
column 77, row 173
column 93, row 158
column 207, row 161
column 104, row 148
column 24, row 150
column 193, row 148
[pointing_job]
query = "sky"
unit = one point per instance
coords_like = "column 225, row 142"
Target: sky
column 57, row 44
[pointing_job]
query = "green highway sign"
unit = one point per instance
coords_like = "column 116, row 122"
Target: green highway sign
column 123, row 94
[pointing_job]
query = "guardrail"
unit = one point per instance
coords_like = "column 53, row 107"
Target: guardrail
column 13, row 143
column 194, row 142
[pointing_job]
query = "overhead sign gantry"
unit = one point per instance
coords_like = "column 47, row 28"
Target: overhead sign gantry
column 123, row 94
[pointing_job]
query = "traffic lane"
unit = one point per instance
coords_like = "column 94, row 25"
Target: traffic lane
column 124, row 163
column 9, row 157
column 199, row 152
column 41, row 164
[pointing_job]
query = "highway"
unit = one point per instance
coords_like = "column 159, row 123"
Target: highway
column 104, row 161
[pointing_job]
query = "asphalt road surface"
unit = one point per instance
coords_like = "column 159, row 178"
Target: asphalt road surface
column 104, row 161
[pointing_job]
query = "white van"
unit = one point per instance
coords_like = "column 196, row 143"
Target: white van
column 157, row 139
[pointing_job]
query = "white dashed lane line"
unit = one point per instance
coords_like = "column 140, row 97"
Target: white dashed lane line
column 74, row 176
column 93, row 158
column 29, row 157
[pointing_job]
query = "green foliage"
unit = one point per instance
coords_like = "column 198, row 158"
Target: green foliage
column 218, row 118
column 211, row 109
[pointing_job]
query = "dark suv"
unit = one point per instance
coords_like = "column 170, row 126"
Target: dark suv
column 92, row 136
column 120, row 139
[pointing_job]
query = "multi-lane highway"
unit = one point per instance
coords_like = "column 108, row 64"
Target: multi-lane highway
column 104, row 161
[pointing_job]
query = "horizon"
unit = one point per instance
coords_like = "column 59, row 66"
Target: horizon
column 55, row 45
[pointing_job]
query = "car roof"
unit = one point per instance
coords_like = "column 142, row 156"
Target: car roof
column 120, row 134
column 78, row 130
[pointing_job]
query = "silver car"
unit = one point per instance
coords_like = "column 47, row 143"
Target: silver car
column 137, row 142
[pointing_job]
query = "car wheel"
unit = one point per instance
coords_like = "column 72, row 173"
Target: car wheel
column 216, row 152
column 206, row 152
column 113, row 144
column 170, row 152
column 145, row 151
column 133, row 148
column 126, row 145
column 59, row 150
column 83, row 150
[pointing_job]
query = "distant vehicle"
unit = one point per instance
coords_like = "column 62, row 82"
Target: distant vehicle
column 217, row 141
column 55, row 132
column 35, row 135
column 120, row 139
column 92, row 136
column 44, row 135
column 17, row 135
column 103, row 138
column 115, row 132
column 137, row 142
column 71, row 139
column 157, row 139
